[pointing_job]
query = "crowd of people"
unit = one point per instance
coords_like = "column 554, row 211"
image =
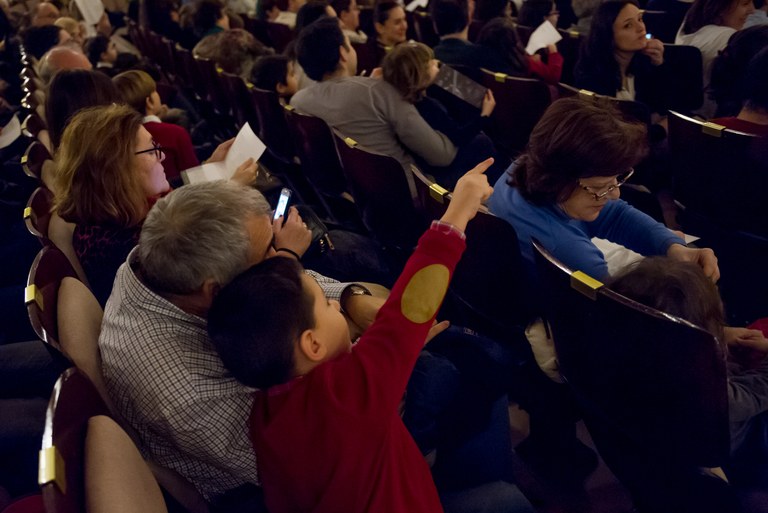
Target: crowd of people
column 275, row 377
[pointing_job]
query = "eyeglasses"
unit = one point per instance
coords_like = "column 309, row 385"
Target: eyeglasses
column 620, row 180
column 156, row 149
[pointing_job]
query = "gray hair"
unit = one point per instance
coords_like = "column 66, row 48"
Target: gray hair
column 197, row 233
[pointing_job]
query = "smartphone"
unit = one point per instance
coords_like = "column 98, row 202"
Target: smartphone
column 282, row 203
column 649, row 35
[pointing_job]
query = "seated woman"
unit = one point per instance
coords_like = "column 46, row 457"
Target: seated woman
column 753, row 116
column 564, row 190
column 109, row 174
column 234, row 51
column 391, row 27
column 682, row 289
column 500, row 37
column 535, row 12
column 411, row 68
column 617, row 59
column 708, row 26
column 348, row 13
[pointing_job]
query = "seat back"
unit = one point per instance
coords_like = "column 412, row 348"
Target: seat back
column 33, row 160
column 569, row 48
column 382, row 193
column 433, row 198
column 237, row 97
column 683, row 90
column 520, row 103
column 661, row 25
column 37, row 214
column 652, row 388
column 424, row 28
column 631, row 110
column 272, row 126
column 280, row 35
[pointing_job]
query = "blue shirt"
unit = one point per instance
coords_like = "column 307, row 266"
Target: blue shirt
column 569, row 240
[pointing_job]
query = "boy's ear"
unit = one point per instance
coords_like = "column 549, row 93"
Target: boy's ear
column 312, row 348
column 281, row 88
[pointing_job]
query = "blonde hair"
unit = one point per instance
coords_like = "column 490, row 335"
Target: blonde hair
column 71, row 25
column 406, row 68
column 96, row 181
column 135, row 86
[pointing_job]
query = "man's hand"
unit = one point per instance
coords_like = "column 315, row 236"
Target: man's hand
column 436, row 329
column 361, row 311
column 294, row 235
column 704, row 257
column 470, row 192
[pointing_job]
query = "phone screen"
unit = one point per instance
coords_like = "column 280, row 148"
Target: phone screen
column 649, row 36
column 282, row 203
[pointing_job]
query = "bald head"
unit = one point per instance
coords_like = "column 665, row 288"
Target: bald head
column 61, row 58
column 45, row 13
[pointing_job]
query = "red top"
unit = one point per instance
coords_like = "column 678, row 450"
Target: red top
column 177, row 146
column 549, row 72
column 742, row 126
column 333, row 440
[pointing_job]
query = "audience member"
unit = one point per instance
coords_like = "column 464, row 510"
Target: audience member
column 390, row 23
column 487, row 10
column 235, row 51
column 209, row 17
column 73, row 27
column 349, row 16
column 583, row 10
column 708, row 26
column 535, row 12
column 369, row 110
column 312, row 11
column 499, row 36
column 682, row 289
column 38, row 40
column 61, row 58
column 139, row 91
column 730, row 69
column 617, row 59
column 44, row 13
column 760, row 16
column 275, row 73
column 102, row 53
column 753, row 116
column 564, row 191
column 451, row 19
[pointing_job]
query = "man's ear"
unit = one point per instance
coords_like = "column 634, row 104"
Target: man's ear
column 313, row 349
column 210, row 289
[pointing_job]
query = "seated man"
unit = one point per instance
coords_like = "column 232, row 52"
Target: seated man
column 753, row 116
column 451, row 19
column 159, row 365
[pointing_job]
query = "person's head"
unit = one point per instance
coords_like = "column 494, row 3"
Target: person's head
column 677, row 288
column 73, row 28
column 311, row 12
column 44, row 13
column 100, row 49
column 729, row 70
column 62, row 58
column 38, row 40
column 273, row 322
column 389, row 22
column 207, row 15
column 139, row 91
column 726, row 13
column 107, row 168
column 577, row 153
column 410, row 68
column 268, row 10
column 535, row 12
column 486, row 10
column 449, row 16
column 500, row 34
column 617, row 26
column 73, row 90
column 323, row 50
column 233, row 50
column 755, row 89
column 348, row 13
column 181, row 241
column 275, row 73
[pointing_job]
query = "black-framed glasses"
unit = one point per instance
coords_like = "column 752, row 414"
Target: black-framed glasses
column 620, row 180
column 156, row 149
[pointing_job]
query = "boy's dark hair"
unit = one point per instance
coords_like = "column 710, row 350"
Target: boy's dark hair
column 486, row 10
column 206, row 14
column 449, row 16
column 730, row 80
column 270, row 70
column 94, row 46
column 318, row 48
column 310, row 13
column 756, row 83
column 255, row 321
column 677, row 288
column 340, row 5
column 38, row 40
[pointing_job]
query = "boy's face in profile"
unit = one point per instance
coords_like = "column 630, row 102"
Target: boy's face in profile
column 330, row 324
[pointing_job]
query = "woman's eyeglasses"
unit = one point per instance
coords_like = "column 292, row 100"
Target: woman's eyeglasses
column 620, row 180
column 156, row 149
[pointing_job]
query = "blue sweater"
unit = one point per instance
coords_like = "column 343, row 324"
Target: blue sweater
column 569, row 239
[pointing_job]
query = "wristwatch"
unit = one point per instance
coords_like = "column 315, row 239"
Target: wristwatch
column 357, row 290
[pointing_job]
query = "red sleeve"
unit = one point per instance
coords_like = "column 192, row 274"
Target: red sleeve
column 372, row 379
column 186, row 151
column 549, row 72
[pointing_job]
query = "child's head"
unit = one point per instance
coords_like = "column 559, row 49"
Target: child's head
column 410, row 68
column 677, row 288
column 100, row 49
column 273, row 322
column 138, row 90
column 275, row 73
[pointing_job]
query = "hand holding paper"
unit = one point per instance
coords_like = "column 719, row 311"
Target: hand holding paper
column 546, row 34
column 228, row 157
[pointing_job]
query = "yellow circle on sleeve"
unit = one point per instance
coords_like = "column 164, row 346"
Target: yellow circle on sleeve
column 424, row 293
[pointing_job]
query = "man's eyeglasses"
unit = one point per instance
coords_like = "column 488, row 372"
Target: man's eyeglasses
column 620, row 180
column 156, row 149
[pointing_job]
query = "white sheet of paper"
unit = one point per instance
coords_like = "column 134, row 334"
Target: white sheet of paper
column 415, row 4
column 11, row 131
column 247, row 145
column 546, row 34
column 92, row 10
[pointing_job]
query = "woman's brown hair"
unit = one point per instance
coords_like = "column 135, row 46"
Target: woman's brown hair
column 406, row 68
column 95, row 178
column 576, row 139
column 135, row 86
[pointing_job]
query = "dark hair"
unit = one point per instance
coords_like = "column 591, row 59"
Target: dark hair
column 486, row 10
column 755, row 90
column 730, row 69
column 576, row 139
column 94, row 46
column 677, row 288
column 263, row 8
column 500, row 34
column 759, row 4
column 533, row 12
column 317, row 48
column 255, row 321
column 340, row 5
column 381, row 11
column 71, row 91
column 206, row 14
column 310, row 13
column 269, row 71
column 38, row 40
column 705, row 12
column 449, row 16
